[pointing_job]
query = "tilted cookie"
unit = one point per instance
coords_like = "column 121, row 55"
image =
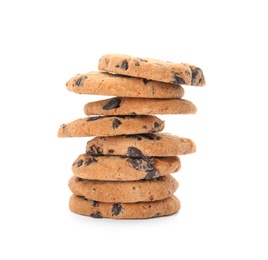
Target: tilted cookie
column 138, row 210
column 139, row 106
column 107, row 84
column 164, row 71
column 116, row 168
column 111, row 125
column 140, row 145
column 124, row 191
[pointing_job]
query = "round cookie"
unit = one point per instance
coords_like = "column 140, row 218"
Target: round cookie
column 118, row 168
column 152, row 69
column 124, row 191
column 140, row 145
column 107, row 84
column 139, row 106
column 111, row 125
column 138, row 210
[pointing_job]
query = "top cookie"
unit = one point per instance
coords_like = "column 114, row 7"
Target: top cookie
column 107, row 84
column 152, row 69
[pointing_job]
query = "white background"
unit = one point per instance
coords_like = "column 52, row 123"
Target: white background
column 223, row 186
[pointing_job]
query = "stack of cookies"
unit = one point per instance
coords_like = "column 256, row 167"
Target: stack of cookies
column 126, row 169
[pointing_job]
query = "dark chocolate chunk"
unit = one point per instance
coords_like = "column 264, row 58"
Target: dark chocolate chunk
column 136, row 137
column 90, row 161
column 147, row 136
column 124, row 65
column 94, row 150
column 156, row 125
column 152, row 174
column 145, row 81
column 94, row 203
column 93, row 118
column 78, row 179
column 111, row 151
column 195, row 73
column 134, row 152
column 117, row 208
column 113, row 103
column 143, row 164
column 116, row 123
column 79, row 81
column 96, row 214
column 79, row 163
column 178, row 79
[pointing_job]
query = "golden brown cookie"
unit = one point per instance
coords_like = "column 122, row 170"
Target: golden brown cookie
column 118, row 168
column 111, row 125
column 124, row 191
column 139, row 106
column 107, row 84
column 140, row 145
column 152, row 69
column 138, row 210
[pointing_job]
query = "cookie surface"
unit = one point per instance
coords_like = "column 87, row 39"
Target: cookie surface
column 139, row 106
column 107, row 84
column 139, row 210
column 158, row 144
column 111, row 125
column 152, row 69
column 118, row 168
column 124, row 191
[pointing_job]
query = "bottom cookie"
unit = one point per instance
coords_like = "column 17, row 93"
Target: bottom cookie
column 138, row 210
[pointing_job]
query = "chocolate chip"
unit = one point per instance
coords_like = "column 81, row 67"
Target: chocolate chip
column 142, row 164
column 178, row 79
column 196, row 73
column 94, row 150
column 136, row 137
column 136, row 63
column 156, row 125
column 79, row 81
column 78, row 179
column 145, row 81
column 116, row 123
column 111, row 151
column 134, row 152
column 147, row 136
column 113, row 103
column 117, row 208
column 93, row 118
column 84, row 198
column 158, row 138
column 63, row 125
column 90, row 161
column 96, row 214
column 124, row 65
column 144, row 127
column 152, row 174
column 94, row 203
column 78, row 163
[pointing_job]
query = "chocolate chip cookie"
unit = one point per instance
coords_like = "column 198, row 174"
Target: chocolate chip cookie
column 139, row 106
column 152, row 69
column 111, row 125
column 118, row 168
column 140, row 145
column 138, row 210
column 107, row 84
column 124, row 191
